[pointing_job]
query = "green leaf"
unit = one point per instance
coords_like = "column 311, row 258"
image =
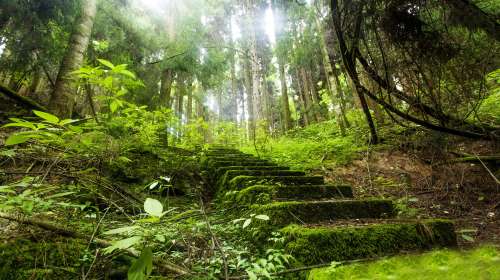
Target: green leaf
column 127, row 73
column 114, row 106
column 153, row 185
column 153, row 207
column 468, row 238
column 247, row 223
column 67, row 121
column 262, row 217
column 46, row 116
column 15, row 139
column 21, row 124
column 59, row 195
column 142, row 267
column 121, row 230
column 106, row 63
column 123, row 244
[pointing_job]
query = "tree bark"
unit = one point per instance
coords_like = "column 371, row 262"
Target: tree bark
column 63, row 97
column 287, row 118
column 166, row 88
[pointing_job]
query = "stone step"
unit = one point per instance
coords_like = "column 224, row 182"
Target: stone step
column 222, row 170
column 324, row 244
column 268, row 193
column 242, row 182
column 229, row 175
column 214, row 164
column 307, row 212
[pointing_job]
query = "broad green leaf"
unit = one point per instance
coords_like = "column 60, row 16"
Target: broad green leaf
column 127, row 73
column 21, row 124
column 123, row 244
column 153, row 185
column 142, row 267
column 114, row 106
column 15, row 139
column 59, row 195
column 67, row 121
column 247, row 223
column 262, row 217
column 46, row 116
column 153, row 207
column 106, row 63
column 121, row 230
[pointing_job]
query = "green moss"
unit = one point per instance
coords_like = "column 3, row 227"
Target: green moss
column 221, row 170
column 326, row 244
column 54, row 259
column 480, row 263
column 241, row 182
column 284, row 213
column 235, row 173
column 266, row 193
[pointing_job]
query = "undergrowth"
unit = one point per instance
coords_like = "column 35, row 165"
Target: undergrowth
column 480, row 263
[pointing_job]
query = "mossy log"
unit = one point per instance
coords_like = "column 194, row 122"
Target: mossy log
column 289, row 212
column 25, row 102
column 327, row 244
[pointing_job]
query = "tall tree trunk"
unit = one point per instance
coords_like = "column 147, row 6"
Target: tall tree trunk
column 249, row 94
column 189, row 105
column 287, row 118
column 333, row 82
column 302, row 100
column 166, row 88
column 306, row 95
column 63, row 98
column 316, row 99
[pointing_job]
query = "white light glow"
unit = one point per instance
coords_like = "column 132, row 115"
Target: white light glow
column 269, row 25
column 153, row 4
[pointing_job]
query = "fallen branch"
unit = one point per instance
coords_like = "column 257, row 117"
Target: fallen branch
column 22, row 100
column 163, row 264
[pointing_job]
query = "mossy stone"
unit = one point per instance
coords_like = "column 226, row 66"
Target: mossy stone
column 241, row 182
column 284, row 213
column 326, row 244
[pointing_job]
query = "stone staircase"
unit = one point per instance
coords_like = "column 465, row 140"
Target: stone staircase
column 321, row 222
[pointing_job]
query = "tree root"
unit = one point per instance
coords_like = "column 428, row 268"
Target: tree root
column 60, row 230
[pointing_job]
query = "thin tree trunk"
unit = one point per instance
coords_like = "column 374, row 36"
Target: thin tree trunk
column 63, row 97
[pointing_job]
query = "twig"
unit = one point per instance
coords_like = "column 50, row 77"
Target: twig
column 91, row 265
column 487, row 169
column 215, row 240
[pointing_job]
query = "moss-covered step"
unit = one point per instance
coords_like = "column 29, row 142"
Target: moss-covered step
column 230, row 174
column 288, row 212
column 267, row 193
column 222, row 170
column 240, row 182
column 212, row 165
column 316, row 245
